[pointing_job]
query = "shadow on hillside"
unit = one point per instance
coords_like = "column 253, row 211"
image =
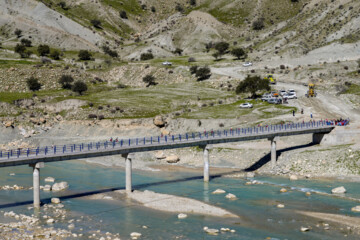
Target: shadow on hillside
column 253, row 167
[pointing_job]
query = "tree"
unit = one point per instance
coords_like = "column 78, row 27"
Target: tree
column 178, row 51
column 193, row 2
column 193, row 69
column 222, row 47
column 252, row 84
column 216, row 55
column 96, row 23
column 26, row 42
column 84, row 55
column 66, row 81
column 208, row 46
column 149, row 79
column 203, row 73
column 62, row 4
column 146, row 56
column 20, row 49
column 43, row 50
column 55, row 54
column 79, row 87
column 238, row 53
column 258, row 24
column 109, row 52
column 123, row 14
column 153, row 9
column 33, row 84
column 18, row 33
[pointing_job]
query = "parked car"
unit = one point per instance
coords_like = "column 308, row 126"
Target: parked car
column 290, row 96
column 167, row 63
column 246, row 105
column 247, row 64
column 266, row 97
column 274, row 100
column 282, row 92
column 291, row 91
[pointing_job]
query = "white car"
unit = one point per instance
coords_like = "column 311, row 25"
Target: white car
column 167, row 63
column 246, row 105
column 290, row 91
column 247, row 64
column 290, row 96
column 282, row 92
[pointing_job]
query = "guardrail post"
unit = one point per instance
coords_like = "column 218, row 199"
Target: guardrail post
column 36, row 182
column 137, row 142
column 173, row 138
column 165, row 138
column 27, row 152
column 18, row 153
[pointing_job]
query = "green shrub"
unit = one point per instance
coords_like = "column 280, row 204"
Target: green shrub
column 238, row 53
column 258, row 24
column 26, row 42
column 146, row 56
column 43, row 50
column 84, row 55
column 33, row 84
column 66, row 81
column 79, row 87
column 96, row 23
column 18, row 33
column 149, row 79
column 203, row 73
column 123, row 14
column 252, row 84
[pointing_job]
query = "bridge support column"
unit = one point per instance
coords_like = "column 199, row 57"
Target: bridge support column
column 36, row 182
column 206, row 149
column 128, row 171
column 273, row 151
column 317, row 137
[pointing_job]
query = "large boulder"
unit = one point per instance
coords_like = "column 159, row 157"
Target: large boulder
column 356, row 209
column 159, row 121
column 293, row 177
column 219, row 191
column 338, row 190
column 172, row 158
column 60, row 186
column 160, row 155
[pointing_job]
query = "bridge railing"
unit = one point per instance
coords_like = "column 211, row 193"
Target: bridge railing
column 162, row 139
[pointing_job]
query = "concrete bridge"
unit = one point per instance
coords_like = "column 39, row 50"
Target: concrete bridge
column 36, row 157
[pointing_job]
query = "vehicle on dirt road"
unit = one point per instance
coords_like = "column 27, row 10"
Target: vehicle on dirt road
column 271, row 79
column 290, row 96
column 274, row 100
column 246, row 105
column 311, row 92
column 247, row 64
column 282, row 92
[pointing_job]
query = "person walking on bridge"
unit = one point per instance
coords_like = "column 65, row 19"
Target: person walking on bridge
column 293, row 113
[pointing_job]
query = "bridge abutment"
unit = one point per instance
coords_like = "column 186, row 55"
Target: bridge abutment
column 36, row 182
column 128, row 171
column 317, row 137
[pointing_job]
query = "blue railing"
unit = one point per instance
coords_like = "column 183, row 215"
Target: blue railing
column 167, row 139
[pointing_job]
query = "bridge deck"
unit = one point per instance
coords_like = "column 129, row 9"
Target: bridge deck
column 90, row 150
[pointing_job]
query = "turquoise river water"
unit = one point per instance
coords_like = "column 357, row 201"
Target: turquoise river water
column 256, row 204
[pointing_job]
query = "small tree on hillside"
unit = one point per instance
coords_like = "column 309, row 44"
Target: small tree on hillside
column 178, row 51
column 258, row 24
column 84, row 55
column 203, row 73
column 26, row 42
column 43, row 50
column 18, row 33
column 238, row 53
column 252, row 84
column 146, row 56
column 153, row 9
column 55, row 54
column 123, row 14
column 110, row 52
column 149, row 79
column 222, row 47
column 33, row 84
column 66, row 81
column 96, row 23
column 193, row 69
column 193, row 2
column 79, row 87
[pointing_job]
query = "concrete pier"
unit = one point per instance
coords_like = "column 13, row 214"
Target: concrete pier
column 206, row 162
column 128, row 171
column 273, row 151
column 317, row 137
column 36, row 182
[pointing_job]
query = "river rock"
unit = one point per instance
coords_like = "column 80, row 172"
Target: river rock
column 50, row 221
column 59, row 118
column 225, row 229
column 165, row 132
column 250, row 174
column 135, row 235
column 160, row 155
column 280, row 205
column 55, row 200
column 159, row 121
column 9, row 124
column 304, row 229
column 339, row 190
column 219, row 191
column 172, row 158
column 308, row 193
column 71, row 226
column 182, row 216
column 283, row 190
column 293, row 177
column 356, row 209
column 60, row 186
column 47, row 188
column 230, row 196
column 49, row 179
column 211, row 231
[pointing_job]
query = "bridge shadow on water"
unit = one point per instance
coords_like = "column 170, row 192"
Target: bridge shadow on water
column 261, row 162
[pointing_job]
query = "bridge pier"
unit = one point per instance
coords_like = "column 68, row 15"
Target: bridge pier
column 128, row 171
column 206, row 149
column 36, row 182
column 317, row 137
column 273, row 151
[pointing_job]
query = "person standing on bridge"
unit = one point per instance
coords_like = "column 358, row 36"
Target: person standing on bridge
column 311, row 115
column 293, row 113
